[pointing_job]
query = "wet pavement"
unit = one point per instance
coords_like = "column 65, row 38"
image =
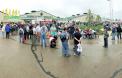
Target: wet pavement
column 18, row 61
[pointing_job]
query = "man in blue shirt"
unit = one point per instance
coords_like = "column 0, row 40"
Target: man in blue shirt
column 7, row 29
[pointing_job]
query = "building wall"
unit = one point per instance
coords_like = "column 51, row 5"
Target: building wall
column 80, row 18
column 83, row 18
column 39, row 13
column 34, row 15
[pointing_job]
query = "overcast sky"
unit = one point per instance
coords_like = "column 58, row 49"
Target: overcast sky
column 64, row 8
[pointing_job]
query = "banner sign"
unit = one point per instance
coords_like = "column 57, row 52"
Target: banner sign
column 11, row 14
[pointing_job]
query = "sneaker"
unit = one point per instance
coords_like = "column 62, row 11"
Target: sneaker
column 79, row 53
column 68, row 55
column 64, row 55
column 73, row 48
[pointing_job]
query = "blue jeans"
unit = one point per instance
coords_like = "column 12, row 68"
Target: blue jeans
column 21, row 38
column 113, row 36
column 65, row 48
column 43, row 39
column 3, row 34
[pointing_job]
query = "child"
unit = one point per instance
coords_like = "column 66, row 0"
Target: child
column 52, row 42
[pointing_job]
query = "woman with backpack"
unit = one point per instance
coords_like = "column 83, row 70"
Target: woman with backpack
column 64, row 39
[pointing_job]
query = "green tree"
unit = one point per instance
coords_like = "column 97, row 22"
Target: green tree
column 89, row 17
column 98, row 18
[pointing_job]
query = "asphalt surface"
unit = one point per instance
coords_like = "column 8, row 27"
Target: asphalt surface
column 18, row 61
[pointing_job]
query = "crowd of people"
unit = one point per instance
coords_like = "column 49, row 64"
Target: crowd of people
column 8, row 28
column 116, row 31
column 50, row 32
column 89, row 34
column 46, row 32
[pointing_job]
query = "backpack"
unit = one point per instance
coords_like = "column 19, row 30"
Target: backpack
column 113, row 30
column 20, row 32
column 63, row 37
column 43, row 31
column 31, row 32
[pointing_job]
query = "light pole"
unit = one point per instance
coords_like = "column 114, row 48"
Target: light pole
column 111, row 9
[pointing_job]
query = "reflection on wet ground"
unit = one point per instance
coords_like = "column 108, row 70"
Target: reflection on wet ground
column 17, row 60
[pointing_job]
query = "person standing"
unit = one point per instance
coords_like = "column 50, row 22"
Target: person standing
column 38, row 31
column 43, row 31
column 71, row 30
column 3, row 31
column 77, row 40
column 21, row 35
column 114, row 30
column 7, row 29
column 64, row 39
column 27, row 29
column 25, row 33
column 53, row 31
column 30, row 31
column 119, row 30
column 34, row 38
column 106, row 35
